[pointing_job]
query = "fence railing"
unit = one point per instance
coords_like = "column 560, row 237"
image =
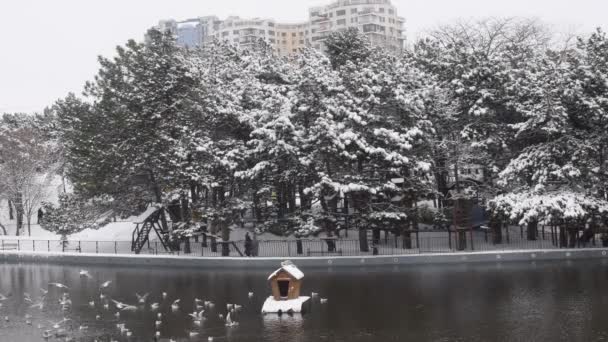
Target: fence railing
column 393, row 245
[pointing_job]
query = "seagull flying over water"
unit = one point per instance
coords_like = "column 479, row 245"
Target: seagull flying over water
column 105, row 284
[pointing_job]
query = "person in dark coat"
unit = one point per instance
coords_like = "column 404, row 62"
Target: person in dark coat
column 40, row 215
column 248, row 244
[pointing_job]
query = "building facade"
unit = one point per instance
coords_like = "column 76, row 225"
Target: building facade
column 377, row 19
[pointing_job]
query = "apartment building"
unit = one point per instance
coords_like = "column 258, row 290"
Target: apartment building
column 377, row 19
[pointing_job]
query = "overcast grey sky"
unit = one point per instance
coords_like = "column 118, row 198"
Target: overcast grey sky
column 50, row 47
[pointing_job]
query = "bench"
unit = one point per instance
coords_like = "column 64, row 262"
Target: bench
column 64, row 247
column 9, row 245
column 336, row 252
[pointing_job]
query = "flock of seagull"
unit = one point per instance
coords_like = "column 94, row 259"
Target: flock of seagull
column 64, row 329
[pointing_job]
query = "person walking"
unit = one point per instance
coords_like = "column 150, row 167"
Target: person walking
column 248, row 244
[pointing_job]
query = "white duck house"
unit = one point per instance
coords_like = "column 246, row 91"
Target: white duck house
column 285, row 283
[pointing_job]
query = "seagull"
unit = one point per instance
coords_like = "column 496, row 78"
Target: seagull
column 210, row 339
column 85, row 274
column 229, row 306
column 124, row 307
column 250, row 294
column 57, row 325
column 130, row 308
column 237, row 307
column 154, row 306
column 159, row 315
column 2, row 297
column 197, row 315
column 141, row 299
column 92, row 304
column 59, row 286
column 230, row 322
column 157, row 324
column 27, row 297
column 105, row 285
column 44, row 292
column 164, row 295
column 157, row 334
column 323, row 300
column 39, row 305
column 314, row 294
column 192, row 334
column 175, row 305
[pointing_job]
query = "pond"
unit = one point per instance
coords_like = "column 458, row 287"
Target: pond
column 549, row 301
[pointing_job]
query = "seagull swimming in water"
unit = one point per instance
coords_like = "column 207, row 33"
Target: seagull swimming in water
column 85, row 274
column 59, row 286
column 175, row 305
column 141, row 298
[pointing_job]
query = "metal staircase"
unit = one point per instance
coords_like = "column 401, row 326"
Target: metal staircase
column 141, row 233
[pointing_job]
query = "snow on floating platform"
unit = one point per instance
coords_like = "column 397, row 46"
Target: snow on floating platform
column 290, row 268
column 272, row 305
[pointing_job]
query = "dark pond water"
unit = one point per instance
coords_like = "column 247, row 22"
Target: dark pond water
column 557, row 301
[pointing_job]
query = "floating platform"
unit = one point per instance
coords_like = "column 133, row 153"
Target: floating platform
column 272, row 305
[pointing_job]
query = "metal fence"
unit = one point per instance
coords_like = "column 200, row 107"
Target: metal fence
column 427, row 242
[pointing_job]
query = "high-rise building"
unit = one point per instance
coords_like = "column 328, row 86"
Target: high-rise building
column 377, row 19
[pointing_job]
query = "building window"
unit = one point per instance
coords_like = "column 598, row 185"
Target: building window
column 272, row 40
column 353, row 10
column 341, row 22
column 224, row 34
column 354, row 20
column 301, row 34
column 235, row 32
column 271, row 24
column 302, row 41
column 381, row 9
column 270, row 32
column 283, row 34
column 340, row 13
column 293, row 34
column 262, row 32
column 390, row 11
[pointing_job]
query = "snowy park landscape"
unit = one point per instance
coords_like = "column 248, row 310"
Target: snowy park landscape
column 429, row 180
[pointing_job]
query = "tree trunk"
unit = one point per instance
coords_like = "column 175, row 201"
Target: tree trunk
column 461, row 239
column 562, row 236
column 159, row 200
column 11, row 215
column 363, row 245
column 572, row 233
column 18, row 203
column 496, row 228
column 225, row 238
column 532, row 230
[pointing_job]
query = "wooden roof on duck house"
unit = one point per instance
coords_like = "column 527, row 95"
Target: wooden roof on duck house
column 290, row 268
